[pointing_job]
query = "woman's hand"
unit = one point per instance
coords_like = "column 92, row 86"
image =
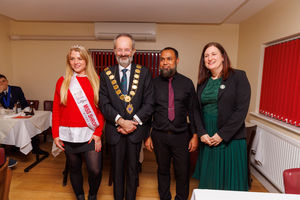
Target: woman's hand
column 206, row 139
column 98, row 143
column 59, row 143
column 216, row 139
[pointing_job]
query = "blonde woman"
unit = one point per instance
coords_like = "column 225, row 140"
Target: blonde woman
column 77, row 122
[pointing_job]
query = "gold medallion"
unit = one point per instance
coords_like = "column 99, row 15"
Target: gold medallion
column 132, row 92
column 127, row 98
column 129, row 108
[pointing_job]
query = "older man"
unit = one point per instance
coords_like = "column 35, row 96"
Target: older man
column 126, row 103
column 175, row 100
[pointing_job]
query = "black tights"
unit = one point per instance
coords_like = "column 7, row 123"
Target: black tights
column 94, row 167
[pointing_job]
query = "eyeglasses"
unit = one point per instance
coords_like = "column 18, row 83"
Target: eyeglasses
column 127, row 51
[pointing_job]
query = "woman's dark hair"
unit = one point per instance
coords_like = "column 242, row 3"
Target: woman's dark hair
column 204, row 73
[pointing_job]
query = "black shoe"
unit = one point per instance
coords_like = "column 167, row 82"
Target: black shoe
column 92, row 197
column 80, row 197
column 12, row 162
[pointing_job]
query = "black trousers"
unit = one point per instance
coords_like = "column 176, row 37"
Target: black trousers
column 125, row 158
column 175, row 147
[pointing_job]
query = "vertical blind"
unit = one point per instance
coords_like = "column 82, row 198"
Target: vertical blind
column 106, row 58
column 280, row 89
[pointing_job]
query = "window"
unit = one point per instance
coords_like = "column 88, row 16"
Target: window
column 280, row 89
column 147, row 58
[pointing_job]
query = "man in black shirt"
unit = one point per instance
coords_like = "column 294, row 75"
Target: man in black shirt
column 172, row 137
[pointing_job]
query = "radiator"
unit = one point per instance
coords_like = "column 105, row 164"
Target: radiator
column 275, row 152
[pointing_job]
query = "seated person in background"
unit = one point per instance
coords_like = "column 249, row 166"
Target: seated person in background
column 9, row 95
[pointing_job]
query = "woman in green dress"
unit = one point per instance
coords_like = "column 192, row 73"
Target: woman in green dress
column 224, row 97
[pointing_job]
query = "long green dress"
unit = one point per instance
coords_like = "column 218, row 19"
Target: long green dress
column 224, row 166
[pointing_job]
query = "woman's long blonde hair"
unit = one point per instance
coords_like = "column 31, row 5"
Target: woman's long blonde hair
column 90, row 72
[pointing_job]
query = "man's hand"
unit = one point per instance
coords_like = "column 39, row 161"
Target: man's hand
column 193, row 145
column 149, row 144
column 98, row 143
column 127, row 125
column 121, row 130
column 59, row 143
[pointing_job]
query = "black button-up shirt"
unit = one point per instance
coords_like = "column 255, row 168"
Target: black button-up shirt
column 185, row 103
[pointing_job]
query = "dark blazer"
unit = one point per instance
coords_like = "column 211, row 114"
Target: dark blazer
column 233, row 105
column 16, row 95
column 111, row 105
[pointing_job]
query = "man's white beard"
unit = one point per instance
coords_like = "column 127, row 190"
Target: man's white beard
column 124, row 62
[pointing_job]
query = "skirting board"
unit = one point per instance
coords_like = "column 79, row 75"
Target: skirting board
column 263, row 180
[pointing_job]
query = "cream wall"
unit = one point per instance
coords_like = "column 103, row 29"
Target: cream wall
column 279, row 20
column 5, row 48
column 38, row 64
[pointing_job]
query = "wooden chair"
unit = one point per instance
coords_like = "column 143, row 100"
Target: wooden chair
column 5, row 179
column 251, row 131
column 48, row 105
column 35, row 103
column 291, row 180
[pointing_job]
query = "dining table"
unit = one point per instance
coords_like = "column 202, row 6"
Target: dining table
column 18, row 129
column 200, row 194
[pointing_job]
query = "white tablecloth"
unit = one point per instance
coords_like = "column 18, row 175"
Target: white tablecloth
column 201, row 194
column 18, row 132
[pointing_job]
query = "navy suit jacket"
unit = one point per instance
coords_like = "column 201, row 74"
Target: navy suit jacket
column 233, row 104
column 111, row 105
column 16, row 95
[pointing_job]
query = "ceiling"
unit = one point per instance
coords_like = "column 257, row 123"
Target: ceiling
column 160, row 11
